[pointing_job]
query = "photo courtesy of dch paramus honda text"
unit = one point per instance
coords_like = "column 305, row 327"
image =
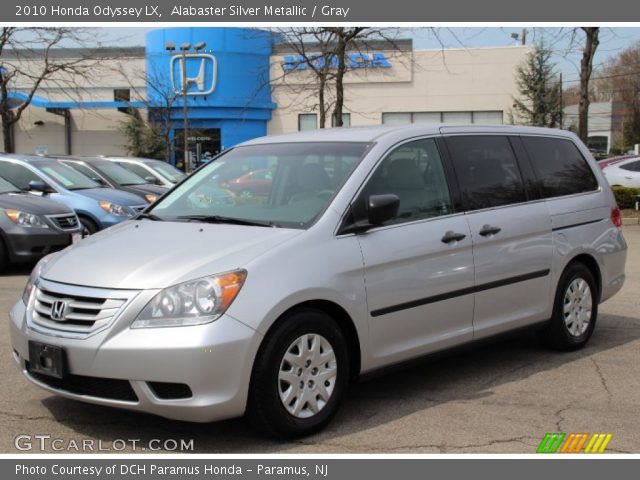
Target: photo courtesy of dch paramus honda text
column 347, row 250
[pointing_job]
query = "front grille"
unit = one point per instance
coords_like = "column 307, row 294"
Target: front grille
column 170, row 391
column 65, row 222
column 109, row 388
column 79, row 314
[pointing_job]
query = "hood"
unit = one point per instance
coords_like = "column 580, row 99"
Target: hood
column 111, row 195
column 32, row 204
column 143, row 254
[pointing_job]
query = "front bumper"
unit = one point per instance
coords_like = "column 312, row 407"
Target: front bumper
column 213, row 360
column 30, row 244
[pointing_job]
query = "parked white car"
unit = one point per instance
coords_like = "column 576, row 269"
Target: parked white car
column 625, row 173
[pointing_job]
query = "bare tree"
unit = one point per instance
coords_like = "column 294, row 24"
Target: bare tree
column 29, row 60
column 586, row 69
column 325, row 52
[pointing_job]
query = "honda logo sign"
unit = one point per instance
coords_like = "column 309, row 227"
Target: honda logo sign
column 198, row 71
column 58, row 310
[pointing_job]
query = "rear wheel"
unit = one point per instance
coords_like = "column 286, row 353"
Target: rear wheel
column 575, row 309
column 300, row 375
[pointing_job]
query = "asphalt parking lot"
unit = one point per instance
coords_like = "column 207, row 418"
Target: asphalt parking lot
column 500, row 397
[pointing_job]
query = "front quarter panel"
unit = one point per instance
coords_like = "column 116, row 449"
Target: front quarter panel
column 312, row 266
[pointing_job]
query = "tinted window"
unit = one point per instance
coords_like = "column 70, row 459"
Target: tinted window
column 414, row 173
column 560, row 167
column 487, row 171
column 631, row 166
column 18, row 174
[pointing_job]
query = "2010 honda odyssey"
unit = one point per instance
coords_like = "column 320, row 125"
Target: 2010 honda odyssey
column 373, row 246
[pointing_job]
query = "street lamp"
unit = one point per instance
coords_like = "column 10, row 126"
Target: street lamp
column 184, row 48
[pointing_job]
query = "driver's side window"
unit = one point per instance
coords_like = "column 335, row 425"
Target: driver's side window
column 413, row 172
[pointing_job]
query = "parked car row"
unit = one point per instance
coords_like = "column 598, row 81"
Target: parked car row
column 47, row 203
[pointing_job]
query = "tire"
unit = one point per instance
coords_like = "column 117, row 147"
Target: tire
column 89, row 227
column 4, row 257
column 575, row 310
column 303, row 406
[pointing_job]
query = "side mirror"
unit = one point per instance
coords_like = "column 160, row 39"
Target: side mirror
column 151, row 179
column 377, row 210
column 382, row 208
column 98, row 180
column 39, row 186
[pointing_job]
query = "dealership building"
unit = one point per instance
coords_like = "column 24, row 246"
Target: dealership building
column 241, row 84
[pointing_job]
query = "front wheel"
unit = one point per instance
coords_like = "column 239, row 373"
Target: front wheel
column 575, row 310
column 300, row 375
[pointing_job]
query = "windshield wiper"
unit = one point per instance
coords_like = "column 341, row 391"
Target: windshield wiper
column 223, row 219
column 148, row 216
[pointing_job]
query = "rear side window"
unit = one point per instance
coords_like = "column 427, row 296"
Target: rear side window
column 559, row 166
column 487, row 171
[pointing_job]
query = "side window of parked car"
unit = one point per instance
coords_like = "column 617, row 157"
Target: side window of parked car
column 631, row 166
column 560, row 167
column 487, row 171
column 415, row 174
column 19, row 175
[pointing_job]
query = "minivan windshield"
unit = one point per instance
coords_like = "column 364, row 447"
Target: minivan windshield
column 66, row 176
column 282, row 185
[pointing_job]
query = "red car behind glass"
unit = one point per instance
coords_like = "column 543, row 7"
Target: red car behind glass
column 253, row 184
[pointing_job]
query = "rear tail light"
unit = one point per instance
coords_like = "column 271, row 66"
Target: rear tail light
column 616, row 217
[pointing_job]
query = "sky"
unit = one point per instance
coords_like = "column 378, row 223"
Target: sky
column 612, row 41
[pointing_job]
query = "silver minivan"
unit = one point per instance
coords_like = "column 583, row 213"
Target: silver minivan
column 367, row 247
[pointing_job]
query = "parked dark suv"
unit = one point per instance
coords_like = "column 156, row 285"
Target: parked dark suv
column 31, row 227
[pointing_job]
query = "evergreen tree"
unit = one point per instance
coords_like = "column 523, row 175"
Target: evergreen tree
column 540, row 102
column 144, row 139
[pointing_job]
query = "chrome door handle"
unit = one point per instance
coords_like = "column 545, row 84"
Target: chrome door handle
column 489, row 230
column 452, row 236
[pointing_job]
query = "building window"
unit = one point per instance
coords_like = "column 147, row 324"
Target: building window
column 396, row 118
column 490, row 117
column 456, row 117
column 346, row 120
column 307, row 121
column 487, row 118
column 121, row 95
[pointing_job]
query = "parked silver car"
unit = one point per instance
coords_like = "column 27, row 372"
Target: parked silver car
column 373, row 246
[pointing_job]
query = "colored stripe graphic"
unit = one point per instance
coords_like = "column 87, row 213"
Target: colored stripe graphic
column 574, row 443
column 550, row 442
column 559, row 442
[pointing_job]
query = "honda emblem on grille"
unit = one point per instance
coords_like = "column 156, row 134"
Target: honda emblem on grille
column 58, row 310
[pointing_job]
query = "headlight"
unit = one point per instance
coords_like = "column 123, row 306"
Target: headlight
column 150, row 197
column 25, row 219
column 115, row 209
column 192, row 303
column 33, row 278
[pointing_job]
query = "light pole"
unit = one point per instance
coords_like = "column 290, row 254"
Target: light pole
column 184, row 48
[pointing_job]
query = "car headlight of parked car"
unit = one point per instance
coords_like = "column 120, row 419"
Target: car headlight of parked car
column 33, row 278
column 115, row 209
column 25, row 219
column 192, row 303
column 151, row 198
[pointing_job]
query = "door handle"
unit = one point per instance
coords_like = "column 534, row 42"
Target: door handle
column 489, row 230
column 452, row 236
